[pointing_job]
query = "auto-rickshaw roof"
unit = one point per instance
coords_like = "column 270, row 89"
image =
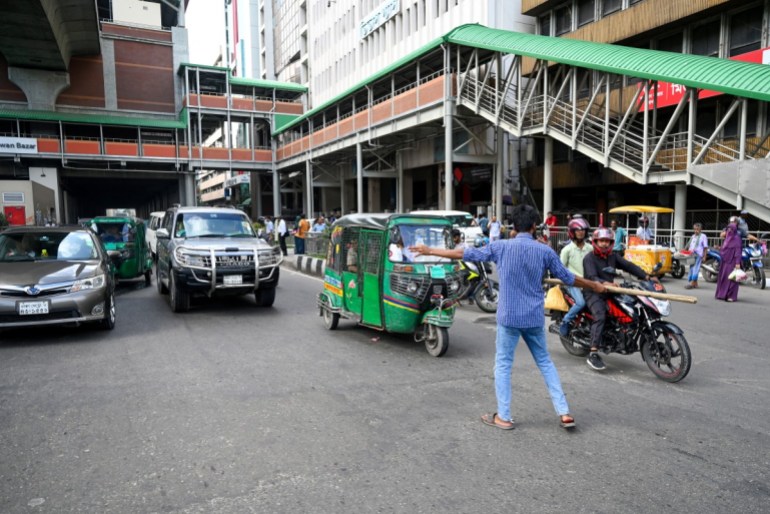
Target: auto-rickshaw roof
column 115, row 219
column 379, row 221
column 626, row 209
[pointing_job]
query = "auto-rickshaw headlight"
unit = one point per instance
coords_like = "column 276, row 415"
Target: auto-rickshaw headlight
column 412, row 287
column 453, row 286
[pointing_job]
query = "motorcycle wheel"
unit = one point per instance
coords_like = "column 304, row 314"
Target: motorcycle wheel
column 668, row 355
column 572, row 347
column 436, row 340
column 707, row 275
column 759, row 278
column 487, row 297
column 677, row 270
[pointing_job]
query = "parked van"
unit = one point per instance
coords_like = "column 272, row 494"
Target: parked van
column 153, row 224
column 459, row 219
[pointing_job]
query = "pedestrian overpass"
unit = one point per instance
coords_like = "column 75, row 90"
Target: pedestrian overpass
column 604, row 101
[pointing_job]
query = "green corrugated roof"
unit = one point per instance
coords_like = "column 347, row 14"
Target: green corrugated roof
column 748, row 80
column 102, row 119
column 242, row 81
column 737, row 78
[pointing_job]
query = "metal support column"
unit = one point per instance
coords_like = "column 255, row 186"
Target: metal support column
column 499, row 173
column 548, row 176
column 309, row 189
column 448, row 145
column 399, row 182
column 680, row 214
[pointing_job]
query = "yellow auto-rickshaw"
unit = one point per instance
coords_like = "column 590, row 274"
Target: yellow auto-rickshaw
column 642, row 250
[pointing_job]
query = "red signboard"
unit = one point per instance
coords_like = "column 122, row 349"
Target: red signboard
column 15, row 215
column 671, row 94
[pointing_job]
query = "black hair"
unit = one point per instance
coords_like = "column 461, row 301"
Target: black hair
column 524, row 218
column 456, row 232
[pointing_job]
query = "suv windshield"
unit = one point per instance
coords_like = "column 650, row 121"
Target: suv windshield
column 212, row 224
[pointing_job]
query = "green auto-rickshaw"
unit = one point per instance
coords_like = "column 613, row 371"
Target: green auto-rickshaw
column 125, row 234
column 373, row 279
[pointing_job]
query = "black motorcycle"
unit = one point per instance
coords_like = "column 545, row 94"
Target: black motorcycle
column 477, row 286
column 633, row 324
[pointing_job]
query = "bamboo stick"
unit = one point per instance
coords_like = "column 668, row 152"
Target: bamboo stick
column 638, row 292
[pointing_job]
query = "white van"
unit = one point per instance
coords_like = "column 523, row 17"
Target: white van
column 153, row 224
column 460, row 219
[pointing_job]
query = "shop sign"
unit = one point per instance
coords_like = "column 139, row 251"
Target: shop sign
column 238, row 179
column 378, row 17
column 18, row 145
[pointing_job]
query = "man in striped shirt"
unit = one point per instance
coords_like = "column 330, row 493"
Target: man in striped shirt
column 521, row 263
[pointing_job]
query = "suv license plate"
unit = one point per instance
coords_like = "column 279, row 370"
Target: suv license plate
column 232, row 280
column 31, row 308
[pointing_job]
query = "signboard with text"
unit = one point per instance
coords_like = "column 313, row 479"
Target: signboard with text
column 385, row 11
column 18, row 145
column 671, row 94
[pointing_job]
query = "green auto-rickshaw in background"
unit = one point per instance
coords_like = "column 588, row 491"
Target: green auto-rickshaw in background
column 126, row 235
column 373, row 279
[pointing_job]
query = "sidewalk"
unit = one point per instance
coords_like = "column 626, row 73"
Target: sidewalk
column 305, row 264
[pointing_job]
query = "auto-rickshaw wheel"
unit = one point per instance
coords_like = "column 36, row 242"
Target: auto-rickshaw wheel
column 331, row 319
column 148, row 278
column 436, row 340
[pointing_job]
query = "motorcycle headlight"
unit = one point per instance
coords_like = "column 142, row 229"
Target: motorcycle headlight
column 88, row 283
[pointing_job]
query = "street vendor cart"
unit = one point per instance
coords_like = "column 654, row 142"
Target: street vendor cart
column 646, row 253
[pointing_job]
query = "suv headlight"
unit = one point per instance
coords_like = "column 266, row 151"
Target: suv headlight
column 187, row 259
column 96, row 282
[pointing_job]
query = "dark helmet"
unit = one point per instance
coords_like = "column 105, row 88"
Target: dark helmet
column 606, row 234
column 575, row 225
column 644, row 221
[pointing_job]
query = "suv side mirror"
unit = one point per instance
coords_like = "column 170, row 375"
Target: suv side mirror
column 162, row 233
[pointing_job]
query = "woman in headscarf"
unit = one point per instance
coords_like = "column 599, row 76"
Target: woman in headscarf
column 731, row 259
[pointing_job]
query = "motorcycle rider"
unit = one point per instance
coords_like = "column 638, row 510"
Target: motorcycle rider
column 572, row 257
column 594, row 265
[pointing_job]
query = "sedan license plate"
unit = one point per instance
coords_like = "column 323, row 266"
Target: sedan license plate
column 233, row 280
column 32, row 308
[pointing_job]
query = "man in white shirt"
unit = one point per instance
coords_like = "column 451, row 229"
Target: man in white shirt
column 494, row 229
column 282, row 232
column 644, row 232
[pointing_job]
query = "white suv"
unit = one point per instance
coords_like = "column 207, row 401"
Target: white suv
column 153, row 224
column 461, row 220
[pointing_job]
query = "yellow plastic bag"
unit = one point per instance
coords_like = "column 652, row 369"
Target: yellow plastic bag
column 554, row 300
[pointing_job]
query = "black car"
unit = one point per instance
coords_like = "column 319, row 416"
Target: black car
column 55, row 275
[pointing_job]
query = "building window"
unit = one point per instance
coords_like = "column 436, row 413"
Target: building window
column 586, row 11
column 545, row 24
column 610, row 6
column 563, row 19
column 672, row 43
column 745, row 31
column 705, row 39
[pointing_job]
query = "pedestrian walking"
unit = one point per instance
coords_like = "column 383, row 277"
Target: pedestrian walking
column 521, row 263
column 494, row 229
column 303, row 227
column 281, row 230
column 731, row 259
column 698, row 246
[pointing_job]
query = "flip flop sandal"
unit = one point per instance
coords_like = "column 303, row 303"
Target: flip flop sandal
column 490, row 419
column 570, row 423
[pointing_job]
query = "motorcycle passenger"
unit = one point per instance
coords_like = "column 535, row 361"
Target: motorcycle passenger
column 594, row 265
column 572, row 257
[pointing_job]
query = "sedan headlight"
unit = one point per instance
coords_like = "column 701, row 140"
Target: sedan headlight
column 96, row 282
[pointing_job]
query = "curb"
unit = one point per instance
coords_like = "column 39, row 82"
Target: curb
column 305, row 264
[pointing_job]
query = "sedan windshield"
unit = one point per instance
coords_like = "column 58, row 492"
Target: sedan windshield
column 212, row 224
column 36, row 246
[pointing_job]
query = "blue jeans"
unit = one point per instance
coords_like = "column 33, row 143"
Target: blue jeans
column 580, row 302
column 507, row 338
column 695, row 269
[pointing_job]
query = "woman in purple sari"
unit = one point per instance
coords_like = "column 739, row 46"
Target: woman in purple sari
column 731, row 258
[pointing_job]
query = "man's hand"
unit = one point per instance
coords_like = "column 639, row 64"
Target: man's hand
column 598, row 287
column 420, row 249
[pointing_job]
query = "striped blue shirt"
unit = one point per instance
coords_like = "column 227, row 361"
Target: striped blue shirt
column 521, row 264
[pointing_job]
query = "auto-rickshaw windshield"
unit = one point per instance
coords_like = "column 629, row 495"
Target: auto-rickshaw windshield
column 412, row 235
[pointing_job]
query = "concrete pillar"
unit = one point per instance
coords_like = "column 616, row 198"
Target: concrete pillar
column 359, row 178
column 373, row 187
column 399, row 182
column 41, row 87
column 343, row 203
column 448, row 163
column 276, row 192
column 680, row 214
column 309, row 188
column 548, row 176
column 108, row 75
column 189, row 190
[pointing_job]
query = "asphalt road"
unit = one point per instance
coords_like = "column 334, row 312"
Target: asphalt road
column 231, row 408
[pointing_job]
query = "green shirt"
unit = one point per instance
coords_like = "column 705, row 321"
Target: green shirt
column 572, row 257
